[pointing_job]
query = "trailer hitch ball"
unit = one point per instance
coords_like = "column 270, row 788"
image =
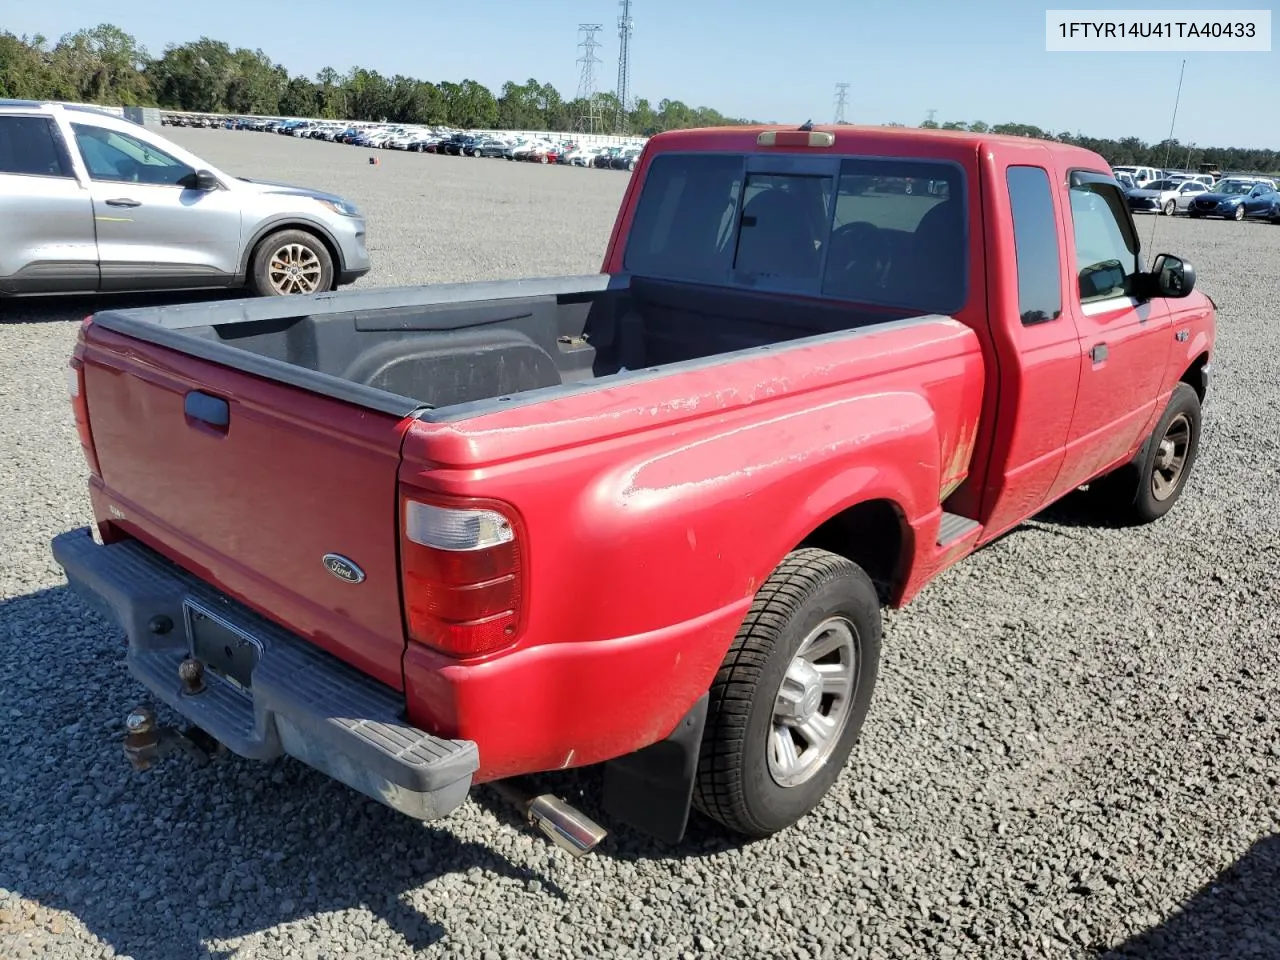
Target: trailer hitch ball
column 191, row 673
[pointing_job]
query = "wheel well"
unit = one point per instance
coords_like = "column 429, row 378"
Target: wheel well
column 1193, row 376
column 873, row 535
column 334, row 255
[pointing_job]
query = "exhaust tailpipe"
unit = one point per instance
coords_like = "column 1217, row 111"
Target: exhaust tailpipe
column 567, row 827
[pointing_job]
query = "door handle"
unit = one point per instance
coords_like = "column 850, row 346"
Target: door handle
column 207, row 409
column 124, row 202
column 1098, row 352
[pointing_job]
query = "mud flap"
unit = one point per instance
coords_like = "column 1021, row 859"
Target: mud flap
column 651, row 790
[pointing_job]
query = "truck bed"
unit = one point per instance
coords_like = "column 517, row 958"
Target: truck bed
column 450, row 350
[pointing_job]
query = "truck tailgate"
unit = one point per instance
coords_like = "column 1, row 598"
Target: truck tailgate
column 253, row 506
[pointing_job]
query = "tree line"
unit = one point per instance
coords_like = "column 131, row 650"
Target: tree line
column 106, row 65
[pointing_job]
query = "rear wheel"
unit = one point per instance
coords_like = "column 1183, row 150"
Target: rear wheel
column 788, row 702
column 291, row 263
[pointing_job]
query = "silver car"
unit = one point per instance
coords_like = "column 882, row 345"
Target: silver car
column 93, row 203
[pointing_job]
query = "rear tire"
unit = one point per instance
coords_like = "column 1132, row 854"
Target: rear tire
column 290, row 263
column 748, row 780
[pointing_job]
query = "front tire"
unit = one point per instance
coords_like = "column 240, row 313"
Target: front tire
column 290, row 263
column 789, row 700
column 1170, row 208
column 1239, row 214
column 1145, row 490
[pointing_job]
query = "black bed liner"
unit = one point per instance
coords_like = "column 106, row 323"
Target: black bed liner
column 450, row 351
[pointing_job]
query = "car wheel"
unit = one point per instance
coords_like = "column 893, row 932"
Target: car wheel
column 1146, row 489
column 788, row 702
column 1170, row 208
column 543, row 158
column 1239, row 214
column 291, row 263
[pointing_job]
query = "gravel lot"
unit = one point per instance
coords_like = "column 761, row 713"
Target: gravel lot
column 1074, row 748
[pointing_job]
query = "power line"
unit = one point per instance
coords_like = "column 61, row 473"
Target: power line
column 842, row 101
column 589, row 121
column 624, row 64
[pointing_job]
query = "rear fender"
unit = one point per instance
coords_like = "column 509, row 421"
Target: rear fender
column 780, row 478
column 899, row 461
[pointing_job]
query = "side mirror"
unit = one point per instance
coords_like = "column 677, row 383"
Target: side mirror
column 1172, row 276
column 200, row 180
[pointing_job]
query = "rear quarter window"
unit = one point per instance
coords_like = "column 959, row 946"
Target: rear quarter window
column 29, row 147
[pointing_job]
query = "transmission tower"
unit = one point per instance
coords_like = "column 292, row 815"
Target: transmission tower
column 932, row 112
column 842, row 101
column 624, row 64
column 589, row 121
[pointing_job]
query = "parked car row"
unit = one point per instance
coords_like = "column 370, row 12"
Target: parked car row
column 1234, row 197
column 1140, row 176
column 443, row 140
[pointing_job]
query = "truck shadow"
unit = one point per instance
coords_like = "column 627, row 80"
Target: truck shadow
column 1237, row 914
column 158, row 863
column 1077, row 509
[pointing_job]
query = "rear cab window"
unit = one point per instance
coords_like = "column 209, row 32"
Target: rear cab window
column 883, row 232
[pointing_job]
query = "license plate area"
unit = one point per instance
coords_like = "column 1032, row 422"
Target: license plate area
column 229, row 653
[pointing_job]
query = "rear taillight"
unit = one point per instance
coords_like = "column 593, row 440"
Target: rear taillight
column 461, row 572
column 79, row 405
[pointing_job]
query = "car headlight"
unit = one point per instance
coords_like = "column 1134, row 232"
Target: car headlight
column 340, row 207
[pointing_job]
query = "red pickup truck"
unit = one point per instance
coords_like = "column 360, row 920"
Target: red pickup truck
column 427, row 538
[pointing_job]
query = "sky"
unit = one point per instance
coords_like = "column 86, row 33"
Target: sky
column 769, row 61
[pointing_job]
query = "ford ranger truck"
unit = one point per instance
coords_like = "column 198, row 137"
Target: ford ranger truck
column 427, row 538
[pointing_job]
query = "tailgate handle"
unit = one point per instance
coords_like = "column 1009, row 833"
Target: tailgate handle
column 214, row 411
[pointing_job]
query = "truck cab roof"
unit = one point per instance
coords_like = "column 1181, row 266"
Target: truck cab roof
column 906, row 141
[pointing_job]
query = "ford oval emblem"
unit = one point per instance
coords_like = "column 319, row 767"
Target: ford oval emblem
column 342, row 568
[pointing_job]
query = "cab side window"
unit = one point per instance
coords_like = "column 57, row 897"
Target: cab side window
column 1105, row 243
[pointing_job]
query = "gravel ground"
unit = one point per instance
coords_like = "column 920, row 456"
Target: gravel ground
column 1073, row 751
